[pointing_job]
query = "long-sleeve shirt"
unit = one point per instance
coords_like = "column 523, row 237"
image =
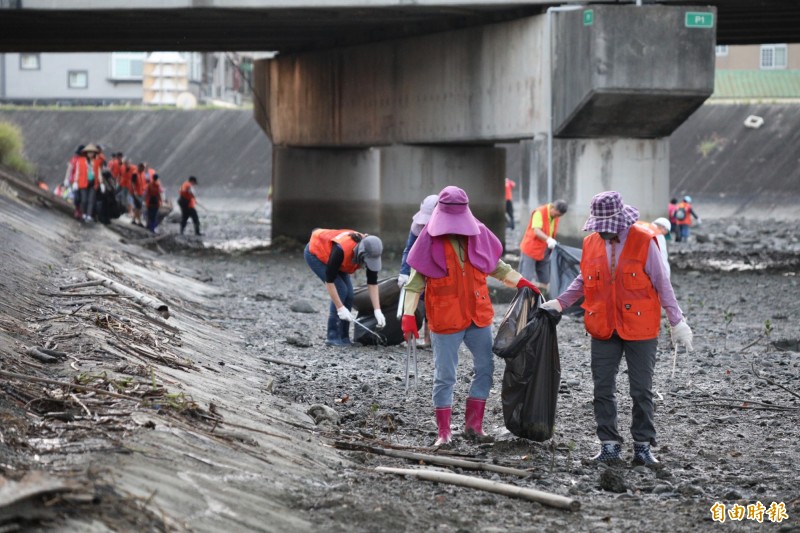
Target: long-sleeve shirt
column 335, row 261
column 404, row 266
column 653, row 267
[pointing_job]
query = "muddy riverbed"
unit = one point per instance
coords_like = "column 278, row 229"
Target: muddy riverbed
column 727, row 421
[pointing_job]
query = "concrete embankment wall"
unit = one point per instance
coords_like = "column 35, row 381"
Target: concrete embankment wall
column 225, row 149
column 730, row 169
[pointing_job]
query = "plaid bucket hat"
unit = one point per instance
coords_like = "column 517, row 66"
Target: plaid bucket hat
column 608, row 214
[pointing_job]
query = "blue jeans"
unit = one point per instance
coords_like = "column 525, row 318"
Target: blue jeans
column 684, row 229
column 338, row 330
column 445, row 356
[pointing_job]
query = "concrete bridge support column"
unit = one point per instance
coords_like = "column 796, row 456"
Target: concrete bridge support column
column 410, row 173
column 324, row 188
column 378, row 190
column 637, row 168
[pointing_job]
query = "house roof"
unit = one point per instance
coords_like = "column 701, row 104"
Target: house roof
column 756, row 84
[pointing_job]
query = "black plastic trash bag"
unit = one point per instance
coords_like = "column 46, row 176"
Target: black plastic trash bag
column 565, row 265
column 527, row 341
column 392, row 333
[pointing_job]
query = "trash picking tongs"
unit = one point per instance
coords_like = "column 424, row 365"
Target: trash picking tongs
column 411, row 352
column 411, row 343
column 381, row 338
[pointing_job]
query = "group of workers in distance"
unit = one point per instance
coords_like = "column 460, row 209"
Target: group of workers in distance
column 135, row 189
column 450, row 253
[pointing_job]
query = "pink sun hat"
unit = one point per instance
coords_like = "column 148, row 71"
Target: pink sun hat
column 452, row 214
column 608, row 214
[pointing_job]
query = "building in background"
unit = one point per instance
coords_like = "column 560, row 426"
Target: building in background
column 757, row 72
column 118, row 78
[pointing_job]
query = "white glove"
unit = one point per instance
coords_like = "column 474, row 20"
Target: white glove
column 344, row 314
column 402, row 279
column 380, row 318
column 102, row 188
column 682, row 334
column 553, row 304
column 551, row 243
column 698, row 221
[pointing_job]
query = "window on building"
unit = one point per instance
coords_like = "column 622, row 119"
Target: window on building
column 127, row 65
column 773, row 56
column 29, row 62
column 722, row 50
column 78, row 79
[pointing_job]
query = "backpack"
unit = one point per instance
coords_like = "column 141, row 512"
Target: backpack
column 680, row 213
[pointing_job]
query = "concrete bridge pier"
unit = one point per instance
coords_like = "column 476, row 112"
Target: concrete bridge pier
column 377, row 190
column 637, row 168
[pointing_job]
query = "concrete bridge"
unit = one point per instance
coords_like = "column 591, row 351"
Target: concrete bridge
column 372, row 105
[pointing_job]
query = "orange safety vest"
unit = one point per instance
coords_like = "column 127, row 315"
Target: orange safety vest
column 186, row 194
column 125, row 173
column 458, row 299
column 82, row 173
column 322, row 241
column 532, row 245
column 153, row 194
column 687, row 208
column 628, row 303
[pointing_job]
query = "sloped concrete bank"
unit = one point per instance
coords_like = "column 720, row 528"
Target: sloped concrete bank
column 224, row 148
column 196, row 441
column 732, row 170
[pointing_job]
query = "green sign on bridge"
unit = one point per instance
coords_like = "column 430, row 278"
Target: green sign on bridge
column 699, row 20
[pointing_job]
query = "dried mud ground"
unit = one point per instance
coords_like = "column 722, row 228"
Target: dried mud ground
column 727, row 422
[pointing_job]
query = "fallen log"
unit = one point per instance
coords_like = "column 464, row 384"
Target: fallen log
column 546, row 498
column 432, row 459
column 137, row 296
column 54, row 353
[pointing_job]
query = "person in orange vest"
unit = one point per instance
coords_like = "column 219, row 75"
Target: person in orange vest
column 451, row 259
column 137, row 190
column 510, row 184
column 334, row 254
column 88, row 177
column 683, row 219
column 624, row 284
column 187, row 201
column 538, row 242
column 152, row 198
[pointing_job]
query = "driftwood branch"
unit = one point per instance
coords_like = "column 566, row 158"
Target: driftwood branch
column 93, row 283
column 75, row 386
column 432, row 459
column 770, row 381
column 42, row 357
column 282, row 362
column 546, row 498
column 137, row 296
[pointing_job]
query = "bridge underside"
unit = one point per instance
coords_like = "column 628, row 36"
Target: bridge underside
column 184, row 25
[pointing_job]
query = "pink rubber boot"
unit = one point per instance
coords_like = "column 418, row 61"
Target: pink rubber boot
column 473, row 424
column 443, row 415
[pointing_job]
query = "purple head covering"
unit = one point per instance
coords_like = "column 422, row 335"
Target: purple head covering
column 609, row 215
column 453, row 216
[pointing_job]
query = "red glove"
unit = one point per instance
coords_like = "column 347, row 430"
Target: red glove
column 409, row 326
column 525, row 283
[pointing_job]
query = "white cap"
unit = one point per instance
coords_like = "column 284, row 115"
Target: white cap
column 664, row 223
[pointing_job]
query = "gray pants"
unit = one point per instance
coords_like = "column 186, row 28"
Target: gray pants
column 640, row 357
column 534, row 270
